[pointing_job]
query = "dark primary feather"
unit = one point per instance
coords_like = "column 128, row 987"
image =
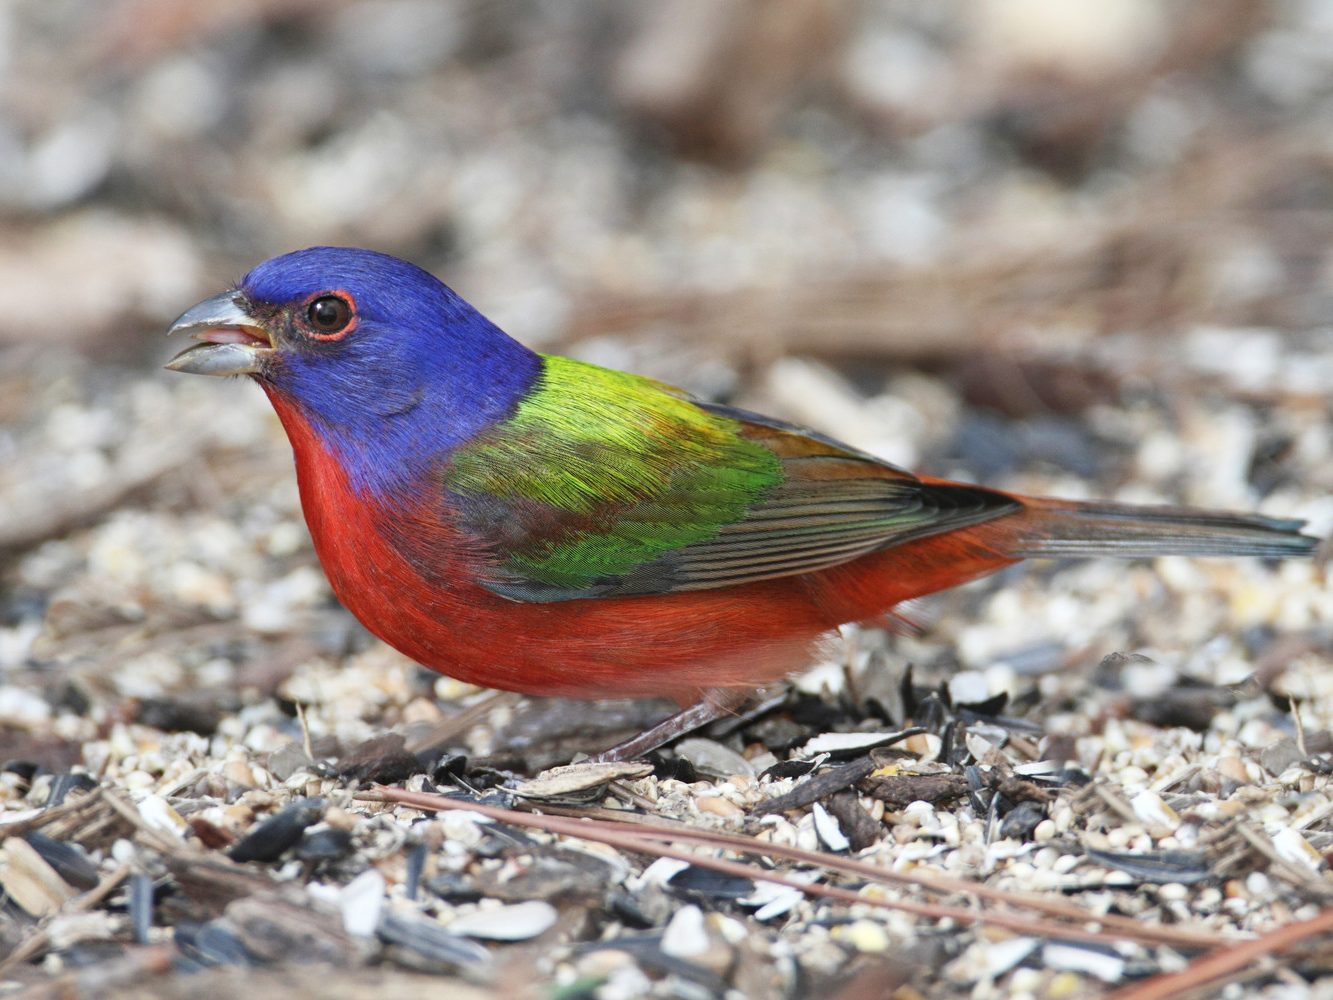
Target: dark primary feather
column 835, row 504
column 1102, row 528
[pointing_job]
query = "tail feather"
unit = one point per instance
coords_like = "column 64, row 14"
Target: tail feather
column 1059, row 528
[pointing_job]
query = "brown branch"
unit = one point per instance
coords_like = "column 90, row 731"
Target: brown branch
column 644, row 840
column 1223, row 963
column 1176, row 936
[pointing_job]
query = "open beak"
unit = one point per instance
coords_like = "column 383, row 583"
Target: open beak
column 233, row 341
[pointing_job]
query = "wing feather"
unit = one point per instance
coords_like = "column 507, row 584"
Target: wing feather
column 607, row 484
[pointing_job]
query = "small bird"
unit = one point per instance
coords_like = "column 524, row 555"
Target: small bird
column 543, row 525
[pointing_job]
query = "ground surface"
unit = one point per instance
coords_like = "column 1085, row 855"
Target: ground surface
column 1084, row 255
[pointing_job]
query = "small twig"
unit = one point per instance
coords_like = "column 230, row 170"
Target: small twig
column 95, row 827
column 152, row 836
column 817, row 787
column 826, row 783
column 99, row 892
column 674, row 830
column 40, row 939
column 626, row 794
column 184, row 781
column 45, row 817
column 606, row 815
column 1302, row 878
column 1221, row 964
column 305, row 732
column 460, row 722
column 1024, row 746
column 1116, row 802
column 1314, row 817
column 644, row 840
column 660, row 828
column 943, row 884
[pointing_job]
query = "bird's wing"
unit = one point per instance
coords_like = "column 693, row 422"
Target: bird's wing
column 608, row 484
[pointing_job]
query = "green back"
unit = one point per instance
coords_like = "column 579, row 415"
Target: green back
column 602, row 483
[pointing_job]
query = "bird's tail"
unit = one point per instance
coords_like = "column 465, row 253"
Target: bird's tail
column 1059, row 528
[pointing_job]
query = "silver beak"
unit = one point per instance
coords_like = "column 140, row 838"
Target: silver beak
column 233, row 341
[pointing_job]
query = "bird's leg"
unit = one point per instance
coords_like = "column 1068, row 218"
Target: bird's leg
column 715, row 704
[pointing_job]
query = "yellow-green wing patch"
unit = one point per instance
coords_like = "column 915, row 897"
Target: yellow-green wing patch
column 599, row 473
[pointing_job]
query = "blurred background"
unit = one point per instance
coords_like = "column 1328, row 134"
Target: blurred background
column 1059, row 247
column 1062, row 247
column 891, row 181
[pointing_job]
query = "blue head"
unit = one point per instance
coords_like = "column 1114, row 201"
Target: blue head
column 388, row 364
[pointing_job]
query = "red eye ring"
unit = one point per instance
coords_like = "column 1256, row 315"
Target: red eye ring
column 328, row 315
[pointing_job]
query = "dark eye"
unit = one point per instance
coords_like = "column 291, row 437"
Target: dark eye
column 328, row 314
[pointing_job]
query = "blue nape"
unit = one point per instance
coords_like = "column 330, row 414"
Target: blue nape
column 421, row 373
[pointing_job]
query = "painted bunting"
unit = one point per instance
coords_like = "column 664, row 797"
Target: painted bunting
column 544, row 525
